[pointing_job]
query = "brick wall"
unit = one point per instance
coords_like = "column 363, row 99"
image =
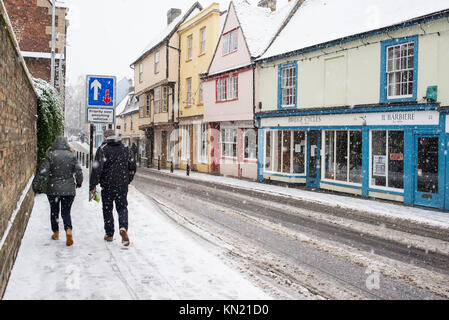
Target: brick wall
column 31, row 21
column 18, row 143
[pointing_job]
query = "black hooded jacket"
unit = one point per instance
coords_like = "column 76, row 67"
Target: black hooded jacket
column 114, row 165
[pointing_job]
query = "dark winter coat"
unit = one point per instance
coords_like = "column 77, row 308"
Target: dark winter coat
column 114, row 165
column 59, row 167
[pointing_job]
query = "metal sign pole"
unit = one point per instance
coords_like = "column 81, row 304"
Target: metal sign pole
column 91, row 152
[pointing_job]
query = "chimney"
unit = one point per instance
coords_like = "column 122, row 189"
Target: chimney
column 271, row 4
column 172, row 14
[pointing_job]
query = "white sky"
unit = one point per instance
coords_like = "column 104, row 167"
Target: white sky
column 106, row 36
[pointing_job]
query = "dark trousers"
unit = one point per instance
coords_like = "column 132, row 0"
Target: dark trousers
column 119, row 196
column 63, row 205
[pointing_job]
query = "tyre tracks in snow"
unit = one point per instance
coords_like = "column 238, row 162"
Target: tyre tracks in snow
column 284, row 263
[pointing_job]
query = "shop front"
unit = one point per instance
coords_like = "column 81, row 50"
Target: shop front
column 393, row 153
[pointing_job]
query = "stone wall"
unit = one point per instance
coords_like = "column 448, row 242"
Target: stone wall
column 18, row 143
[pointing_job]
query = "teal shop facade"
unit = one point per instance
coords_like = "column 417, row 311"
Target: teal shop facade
column 397, row 153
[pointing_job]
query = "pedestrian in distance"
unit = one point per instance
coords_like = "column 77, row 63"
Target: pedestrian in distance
column 113, row 168
column 59, row 176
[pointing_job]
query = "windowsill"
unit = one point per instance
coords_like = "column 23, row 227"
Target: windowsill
column 385, row 189
column 250, row 160
column 296, row 175
column 399, row 99
column 202, row 54
column 229, row 53
column 224, row 101
column 200, row 105
column 188, row 60
column 229, row 158
column 288, row 108
column 342, row 183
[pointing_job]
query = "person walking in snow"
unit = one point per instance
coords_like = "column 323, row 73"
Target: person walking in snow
column 114, row 168
column 59, row 176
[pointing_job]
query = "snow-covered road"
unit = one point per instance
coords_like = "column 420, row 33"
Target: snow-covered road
column 162, row 263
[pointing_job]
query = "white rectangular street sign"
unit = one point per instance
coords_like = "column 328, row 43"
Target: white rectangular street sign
column 100, row 115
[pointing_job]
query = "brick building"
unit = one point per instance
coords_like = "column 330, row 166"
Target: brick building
column 32, row 24
column 18, row 144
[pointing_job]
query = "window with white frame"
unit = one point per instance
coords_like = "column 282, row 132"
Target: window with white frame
column 189, row 47
column 230, row 42
column 201, row 97
column 387, row 159
column 400, row 70
column 140, row 72
column 185, row 142
column 227, row 88
column 288, row 85
column 229, row 142
column 343, row 156
column 164, row 99
column 203, row 142
column 189, row 91
column 156, row 62
column 221, row 89
column 250, row 144
column 147, row 105
column 157, row 100
column 203, row 40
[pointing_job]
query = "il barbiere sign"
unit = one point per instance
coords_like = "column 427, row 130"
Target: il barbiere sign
column 406, row 118
column 403, row 118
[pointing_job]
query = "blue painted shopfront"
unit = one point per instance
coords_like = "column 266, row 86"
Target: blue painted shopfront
column 417, row 144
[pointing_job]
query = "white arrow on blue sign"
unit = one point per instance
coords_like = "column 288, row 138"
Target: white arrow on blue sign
column 101, row 91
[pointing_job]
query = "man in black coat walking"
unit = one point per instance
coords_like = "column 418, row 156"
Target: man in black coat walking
column 114, row 168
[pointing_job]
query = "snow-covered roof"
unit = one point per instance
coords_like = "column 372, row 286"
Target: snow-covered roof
column 169, row 30
column 259, row 25
column 321, row 21
column 128, row 105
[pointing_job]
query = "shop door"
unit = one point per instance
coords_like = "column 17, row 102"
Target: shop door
column 313, row 159
column 428, row 185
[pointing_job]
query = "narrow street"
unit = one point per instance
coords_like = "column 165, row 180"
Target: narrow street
column 306, row 250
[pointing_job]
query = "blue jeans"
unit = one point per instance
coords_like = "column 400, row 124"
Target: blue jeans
column 119, row 196
column 61, row 204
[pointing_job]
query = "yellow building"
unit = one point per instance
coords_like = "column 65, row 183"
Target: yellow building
column 198, row 38
column 156, row 73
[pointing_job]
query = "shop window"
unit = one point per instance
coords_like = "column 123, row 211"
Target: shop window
column 299, row 152
column 229, row 143
column 268, row 150
column 399, row 69
column 287, row 85
column 343, row 156
column 250, row 139
column 285, row 152
column 203, row 140
column 185, row 142
column 387, row 159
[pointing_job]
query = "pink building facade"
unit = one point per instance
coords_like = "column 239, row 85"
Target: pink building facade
column 229, row 103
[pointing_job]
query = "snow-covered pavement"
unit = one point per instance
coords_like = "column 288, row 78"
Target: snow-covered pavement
column 164, row 262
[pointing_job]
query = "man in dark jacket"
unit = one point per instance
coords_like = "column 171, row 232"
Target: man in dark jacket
column 59, row 167
column 114, row 168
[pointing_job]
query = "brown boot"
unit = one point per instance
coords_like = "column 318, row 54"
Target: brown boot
column 55, row 236
column 69, row 235
column 108, row 238
column 125, row 238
